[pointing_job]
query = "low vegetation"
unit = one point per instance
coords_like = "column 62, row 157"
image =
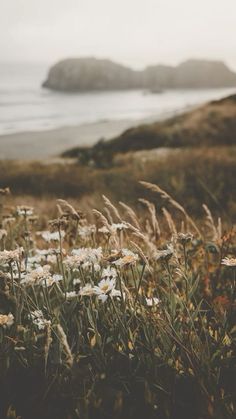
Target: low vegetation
column 192, row 176
column 211, row 125
column 114, row 315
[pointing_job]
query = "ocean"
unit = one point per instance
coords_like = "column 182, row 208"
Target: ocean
column 25, row 106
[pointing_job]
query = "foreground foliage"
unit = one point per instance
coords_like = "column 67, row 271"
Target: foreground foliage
column 118, row 317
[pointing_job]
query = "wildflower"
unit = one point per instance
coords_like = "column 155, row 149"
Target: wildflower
column 33, row 260
column 104, row 230
column 38, row 319
column 152, row 301
column 39, row 276
column 166, row 254
column 128, row 258
column 72, row 262
column 105, row 288
column 5, row 191
column 8, row 221
column 109, row 272
column 50, row 255
column 86, row 231
column 87, row 290
column 118, row 227
column 71, row 294
column 76, row 281
column 8, row 256
column 6, row 320
column 55, row 236
column 114, row 256
column 24, row 210
column 49, row 252
column 229, row 261
column 57, row 277
column 89, row 254
column 85, row 258
column 184, row 238
column 50, row 280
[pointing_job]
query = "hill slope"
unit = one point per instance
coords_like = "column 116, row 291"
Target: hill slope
column 213, row 124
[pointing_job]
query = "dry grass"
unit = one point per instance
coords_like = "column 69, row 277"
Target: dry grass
column 211, row 125
column 116, row 315
column 190, row 176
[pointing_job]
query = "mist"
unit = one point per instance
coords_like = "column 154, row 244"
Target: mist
column 135, row 33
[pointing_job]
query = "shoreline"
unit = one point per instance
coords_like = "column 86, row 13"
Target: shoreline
column 36, row 145
column 50, row 143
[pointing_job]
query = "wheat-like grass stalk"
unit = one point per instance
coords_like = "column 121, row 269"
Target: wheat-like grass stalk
column 101, row 218
column 109, row 204
column 131, row 214
column 170, row 221
column 164, row 195
column 219, row 228
column 152, row 210
column 64, row 342
column 48, row 341
column 210, row 222
column 108, row 214
column 66, row 207
column 141, row 254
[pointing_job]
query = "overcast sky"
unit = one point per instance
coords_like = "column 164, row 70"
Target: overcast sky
column 133, row 32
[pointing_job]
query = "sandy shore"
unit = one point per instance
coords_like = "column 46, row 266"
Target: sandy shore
column 50, row 143
column 42, row 144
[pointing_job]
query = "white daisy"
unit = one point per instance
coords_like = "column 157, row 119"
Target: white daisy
column 38, row 319
column 6, row 320
column 71, row 294
column 7, row 256
column 152, row 301
column 109, row 272
column 87, row 290
column 229, row 261
column 55, row 236
column 128, row 258
column 105, row 288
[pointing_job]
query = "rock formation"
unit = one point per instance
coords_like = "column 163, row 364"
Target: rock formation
column 91, row 74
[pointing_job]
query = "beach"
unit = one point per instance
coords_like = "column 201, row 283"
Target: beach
column 50, row 143
column 37, row 123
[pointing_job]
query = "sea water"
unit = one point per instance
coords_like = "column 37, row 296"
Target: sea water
column 26, row 106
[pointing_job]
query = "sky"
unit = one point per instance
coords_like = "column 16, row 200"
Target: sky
column 133, row 32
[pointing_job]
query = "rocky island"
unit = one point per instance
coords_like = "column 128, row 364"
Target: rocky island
column 92, row 74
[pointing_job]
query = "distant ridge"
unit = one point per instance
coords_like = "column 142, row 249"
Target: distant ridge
column 93, row 74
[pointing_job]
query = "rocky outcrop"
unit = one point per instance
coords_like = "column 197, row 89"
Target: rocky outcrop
column 190, row 74
column 91, row 74
column 202, row 73
column 84, row 74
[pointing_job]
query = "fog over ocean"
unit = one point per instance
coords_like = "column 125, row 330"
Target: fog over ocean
column 25, row 106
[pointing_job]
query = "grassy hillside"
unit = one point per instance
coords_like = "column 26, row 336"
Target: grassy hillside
column 213, row 124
